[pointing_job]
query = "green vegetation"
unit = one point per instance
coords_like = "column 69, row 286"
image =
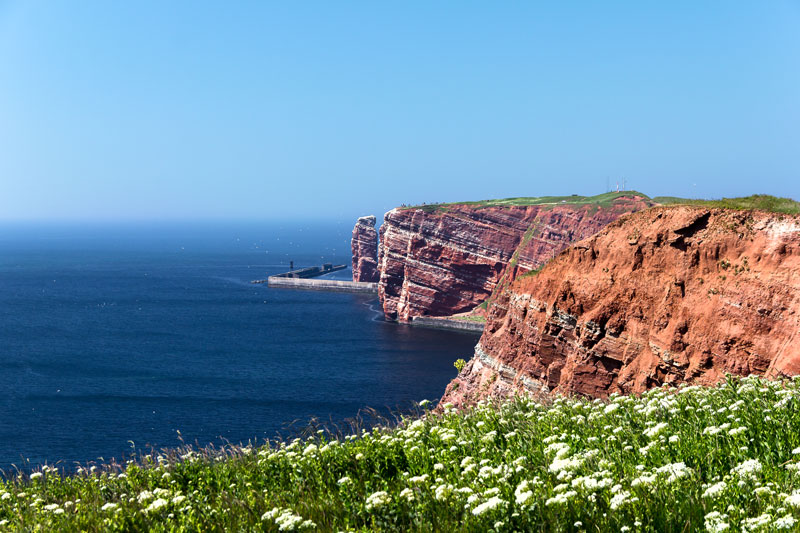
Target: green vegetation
column 533, row 272
column 460, row 364
column 674, row 460
column 761, row 202
column 471, row 318
column 600, row 200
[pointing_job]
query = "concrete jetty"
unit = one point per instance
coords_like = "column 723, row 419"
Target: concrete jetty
column 448, row 323
column 303, row 278
column 322, row 285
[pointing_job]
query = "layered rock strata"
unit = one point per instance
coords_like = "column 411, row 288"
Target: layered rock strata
column 667, row 295
column 448, row 260
column 364, row 246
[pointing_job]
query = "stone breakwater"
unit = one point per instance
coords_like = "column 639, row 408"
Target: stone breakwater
column 450, row 259
column 667, row 295
column 448, row 323
column 322, row 285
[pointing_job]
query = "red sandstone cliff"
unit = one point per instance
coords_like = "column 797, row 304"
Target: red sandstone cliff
column 439, row 261
column 364, row 246
column 667, row 295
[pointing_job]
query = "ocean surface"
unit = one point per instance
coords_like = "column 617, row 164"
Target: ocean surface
column 115, row 337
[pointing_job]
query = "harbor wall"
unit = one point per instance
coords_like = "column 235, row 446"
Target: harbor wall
column 323, row 285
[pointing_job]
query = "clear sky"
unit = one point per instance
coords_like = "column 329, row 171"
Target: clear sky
column 277, row 110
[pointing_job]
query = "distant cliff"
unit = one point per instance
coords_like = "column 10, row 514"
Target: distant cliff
column 667, row 295
column 439, row 260
column 364, row 246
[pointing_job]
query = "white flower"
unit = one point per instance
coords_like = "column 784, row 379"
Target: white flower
column 610, row 408
column 442, row 492
column 344, row 481
column 715, row 490
column 656, row 430
column 561, row 499
column 793, row 499
column 109, row 507
column 756, row 523
column 36, row 475
column 144, row 496
column 417, row 480
column 156, row 505
column 748, row 469
column 764, row 491
column 620, row 499
column 311, row 448
column 489, row 437
column 407, row 494
column 287, row 520
column 377, row 500
column 784, row 522
column 674, row 471
column 488, row 505
column 569, row 464
column 522, row 494
column 715, row 522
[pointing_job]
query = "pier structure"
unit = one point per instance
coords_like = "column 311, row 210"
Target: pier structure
column 303, row 278
column 448, row 323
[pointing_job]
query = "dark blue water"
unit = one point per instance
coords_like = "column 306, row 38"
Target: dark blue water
column 130, row 333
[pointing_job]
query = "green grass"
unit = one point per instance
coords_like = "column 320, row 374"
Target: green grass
column 761, row 202
column 533, row 272
column 473, row 318
column 600, row 200
column 724, row 458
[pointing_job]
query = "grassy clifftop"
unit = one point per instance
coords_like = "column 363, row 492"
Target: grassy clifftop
column 673, row 460
column 761, row 202
column 602, row 200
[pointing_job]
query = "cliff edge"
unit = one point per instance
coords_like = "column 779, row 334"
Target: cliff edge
column 364, row 246
column 445, row 259
column 666, row 295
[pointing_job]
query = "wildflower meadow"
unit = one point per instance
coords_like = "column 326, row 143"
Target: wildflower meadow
column 725, row 458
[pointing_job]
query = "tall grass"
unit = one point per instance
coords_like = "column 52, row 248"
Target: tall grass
column 761, row 202
column 690, row 459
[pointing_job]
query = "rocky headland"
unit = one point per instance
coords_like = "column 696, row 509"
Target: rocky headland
column 364, row 246
column 666, row 295
column 441, row 260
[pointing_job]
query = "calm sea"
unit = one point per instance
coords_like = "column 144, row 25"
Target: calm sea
column 119, row 336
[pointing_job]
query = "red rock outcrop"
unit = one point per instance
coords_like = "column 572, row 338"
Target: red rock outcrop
column 667, row 295
column 439, row 261
column 364, row 246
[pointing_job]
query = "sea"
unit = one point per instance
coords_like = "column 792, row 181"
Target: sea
column 123, row 338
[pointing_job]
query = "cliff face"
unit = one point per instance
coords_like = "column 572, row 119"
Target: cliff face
column 668, row 295
column 447, row 260
column 364, row 246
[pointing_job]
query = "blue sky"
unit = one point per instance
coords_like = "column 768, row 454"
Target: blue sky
column 278, row 110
